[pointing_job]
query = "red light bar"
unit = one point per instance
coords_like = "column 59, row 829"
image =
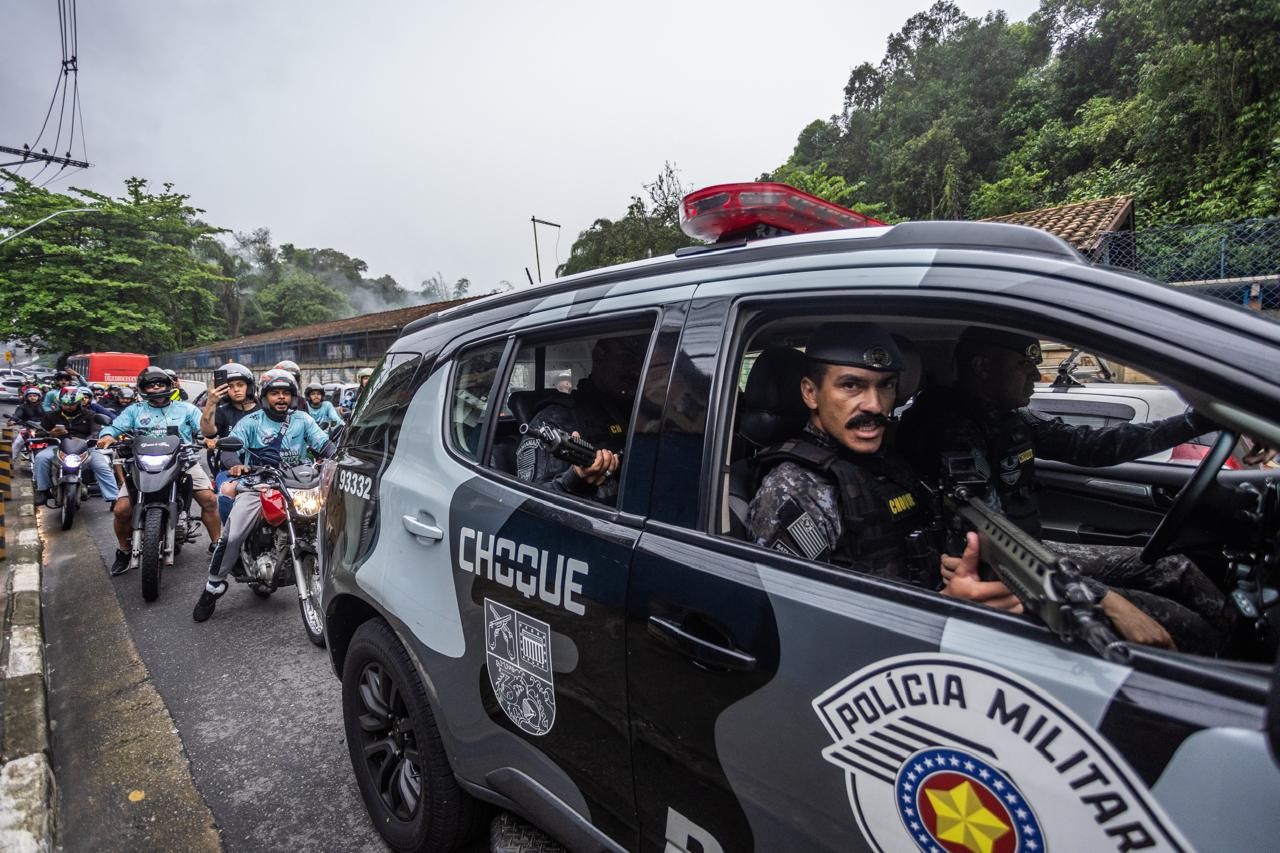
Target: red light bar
column 758, row 210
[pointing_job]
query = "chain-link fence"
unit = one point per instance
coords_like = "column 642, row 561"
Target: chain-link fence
column 1235, row 261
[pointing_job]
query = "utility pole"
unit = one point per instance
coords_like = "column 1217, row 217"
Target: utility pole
column 42, row 156
column 536, row 257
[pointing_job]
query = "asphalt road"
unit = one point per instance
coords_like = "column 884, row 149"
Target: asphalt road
column 256, row 706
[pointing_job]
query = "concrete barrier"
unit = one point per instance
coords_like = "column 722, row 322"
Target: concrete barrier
column 28, row 792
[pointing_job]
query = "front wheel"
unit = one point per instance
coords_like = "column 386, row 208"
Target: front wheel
column 153, row 529
column 312, row 621
column 399, row 761
column 70, row 500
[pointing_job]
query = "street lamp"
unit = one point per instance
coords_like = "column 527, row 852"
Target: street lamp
column 46, row 219
column 536, row 257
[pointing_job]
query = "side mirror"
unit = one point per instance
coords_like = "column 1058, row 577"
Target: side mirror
column 230, row 444
column 335, row 433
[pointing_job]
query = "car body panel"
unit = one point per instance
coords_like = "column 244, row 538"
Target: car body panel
column 714, row 695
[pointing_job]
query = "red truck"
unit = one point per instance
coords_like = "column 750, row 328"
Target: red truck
column 109, row 368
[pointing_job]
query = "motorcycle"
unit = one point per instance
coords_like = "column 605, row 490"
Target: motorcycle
column 34, row 439
column 162, row 523
column 73, row 478
column 281, row 549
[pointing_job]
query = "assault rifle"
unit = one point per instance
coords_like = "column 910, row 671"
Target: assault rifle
column 563, row 445
column 1048, row 585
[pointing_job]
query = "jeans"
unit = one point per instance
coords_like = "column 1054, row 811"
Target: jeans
column 47, row 458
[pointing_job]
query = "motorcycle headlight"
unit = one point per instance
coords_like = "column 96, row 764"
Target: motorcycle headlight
column 71, row 460
column 306, row 502
column 152, row 461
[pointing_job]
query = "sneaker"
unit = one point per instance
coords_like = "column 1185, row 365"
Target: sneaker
column 208, row 601
column 121, row 565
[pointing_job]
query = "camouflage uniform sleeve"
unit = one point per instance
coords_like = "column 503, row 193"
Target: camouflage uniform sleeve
column 535, row 465
column 795, row 512
column 1091, row 448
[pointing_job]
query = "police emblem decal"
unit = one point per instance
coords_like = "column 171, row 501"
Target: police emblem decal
column 953, row 797
column 518, row 652
column 944, row 753
column 876, row 357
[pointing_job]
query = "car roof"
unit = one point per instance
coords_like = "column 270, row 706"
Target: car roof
column 977, row 236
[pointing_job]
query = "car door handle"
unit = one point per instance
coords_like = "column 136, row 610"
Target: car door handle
column 1120, row 489
column 422, row 530
column 704, row 651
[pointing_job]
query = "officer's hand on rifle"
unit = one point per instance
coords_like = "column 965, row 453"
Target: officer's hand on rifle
column 1134, row 625
column 605, row 466
column 960, row 579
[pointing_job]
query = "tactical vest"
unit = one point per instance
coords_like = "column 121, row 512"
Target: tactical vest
column 881, row 504
column 1011, row 456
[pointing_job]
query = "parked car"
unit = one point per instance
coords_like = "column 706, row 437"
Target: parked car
column 1104, row 404
column 626, row 671
column 11, row 388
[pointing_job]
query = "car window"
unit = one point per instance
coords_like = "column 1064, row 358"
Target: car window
column 469, row 396
column 381, row 407
column 581, row 381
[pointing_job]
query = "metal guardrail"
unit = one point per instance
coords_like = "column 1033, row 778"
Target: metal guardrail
column 1235, row 261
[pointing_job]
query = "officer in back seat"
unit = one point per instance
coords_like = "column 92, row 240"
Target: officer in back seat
column 598, row 410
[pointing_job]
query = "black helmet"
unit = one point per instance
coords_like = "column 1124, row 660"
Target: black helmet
column 274, row 380
column 153, row 376
column 126, row 394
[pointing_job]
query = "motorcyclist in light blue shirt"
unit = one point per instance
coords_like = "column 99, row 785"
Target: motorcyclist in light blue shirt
column 274, row 434
column 320, row 409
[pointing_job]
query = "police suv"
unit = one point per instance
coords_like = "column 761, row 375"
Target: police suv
column 615, row 662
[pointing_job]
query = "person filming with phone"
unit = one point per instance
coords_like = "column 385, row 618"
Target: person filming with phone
column 230, row 399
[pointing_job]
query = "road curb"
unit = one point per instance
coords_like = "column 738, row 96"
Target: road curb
column 28, row 791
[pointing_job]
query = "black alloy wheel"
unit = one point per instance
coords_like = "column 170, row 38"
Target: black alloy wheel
column 390, row 742
column 396, row 752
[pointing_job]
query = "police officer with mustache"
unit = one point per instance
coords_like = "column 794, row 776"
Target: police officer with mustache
column 836, row 494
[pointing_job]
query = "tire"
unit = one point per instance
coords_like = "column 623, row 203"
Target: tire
column 312, row 619
column 70, row 503
column 394, row 744
column 260, row 590
column 153, row 530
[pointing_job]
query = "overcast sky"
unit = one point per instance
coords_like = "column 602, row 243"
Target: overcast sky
column 421, row 136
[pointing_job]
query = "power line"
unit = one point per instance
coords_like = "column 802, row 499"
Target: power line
column 68, row 79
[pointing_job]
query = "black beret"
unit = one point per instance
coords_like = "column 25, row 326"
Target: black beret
column 1021, row 344
column 855, row 344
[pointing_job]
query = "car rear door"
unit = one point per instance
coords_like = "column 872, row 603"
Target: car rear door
column 779, row 704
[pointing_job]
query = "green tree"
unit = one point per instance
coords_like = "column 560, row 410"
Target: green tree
column 129, row 275
column 299, row 299
column 647, row 229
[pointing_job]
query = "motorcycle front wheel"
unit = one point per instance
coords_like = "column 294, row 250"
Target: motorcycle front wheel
column 312, row 620
column 70, row 500
column 153, row 528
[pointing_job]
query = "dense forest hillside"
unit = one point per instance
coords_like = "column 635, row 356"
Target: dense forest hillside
column 1174, row 101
